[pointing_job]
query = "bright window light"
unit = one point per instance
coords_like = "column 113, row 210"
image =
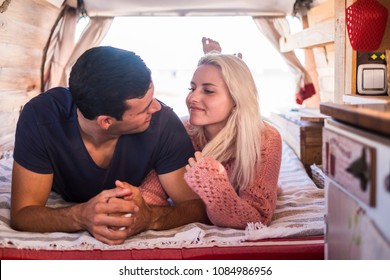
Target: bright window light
column 171, row 47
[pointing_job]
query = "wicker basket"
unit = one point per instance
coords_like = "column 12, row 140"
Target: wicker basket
column 317, row 175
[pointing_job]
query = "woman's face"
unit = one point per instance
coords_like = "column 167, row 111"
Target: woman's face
column 209, row 101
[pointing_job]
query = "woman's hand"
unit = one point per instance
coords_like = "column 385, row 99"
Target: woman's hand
column 193, row 160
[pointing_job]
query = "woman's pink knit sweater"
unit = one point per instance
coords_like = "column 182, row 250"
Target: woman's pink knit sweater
column 226, row 207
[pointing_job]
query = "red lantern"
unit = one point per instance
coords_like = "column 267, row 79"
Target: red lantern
column 366, row 23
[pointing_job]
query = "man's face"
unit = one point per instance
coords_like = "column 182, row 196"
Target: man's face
column 137, row 118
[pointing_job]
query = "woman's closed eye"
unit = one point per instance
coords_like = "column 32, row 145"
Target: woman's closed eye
column 208, row 91
column 205, row 90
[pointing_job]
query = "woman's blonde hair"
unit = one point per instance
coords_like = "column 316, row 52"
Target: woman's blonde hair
column 240, row 138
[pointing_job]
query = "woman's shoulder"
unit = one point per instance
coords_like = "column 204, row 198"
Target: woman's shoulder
column 271, row 142
column 270, row 132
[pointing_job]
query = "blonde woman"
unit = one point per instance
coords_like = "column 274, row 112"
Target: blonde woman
column 236, row 174
column 236, row 167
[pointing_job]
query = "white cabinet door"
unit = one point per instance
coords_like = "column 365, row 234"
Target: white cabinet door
column 350, row 232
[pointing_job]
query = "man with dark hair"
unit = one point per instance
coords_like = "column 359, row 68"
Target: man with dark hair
column 92, row 144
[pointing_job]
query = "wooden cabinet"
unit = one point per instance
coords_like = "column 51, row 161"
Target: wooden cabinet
column 301, row 129
column 356, row 161
column 352, row 233
column 346, row 59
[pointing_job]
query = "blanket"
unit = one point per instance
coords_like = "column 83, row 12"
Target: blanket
column 299, row 213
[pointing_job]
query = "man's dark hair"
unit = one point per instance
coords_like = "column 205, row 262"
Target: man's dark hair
column 104, row 77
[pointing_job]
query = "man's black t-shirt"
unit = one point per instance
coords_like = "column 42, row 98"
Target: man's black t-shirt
column 48, row 141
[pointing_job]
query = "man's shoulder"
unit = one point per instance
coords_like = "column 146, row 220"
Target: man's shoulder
column 166, row 122
column 57, row 95
column 56, row 102
column 165, row 115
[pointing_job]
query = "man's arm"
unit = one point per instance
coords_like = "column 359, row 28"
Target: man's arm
column 30, row 192
column 187, row 208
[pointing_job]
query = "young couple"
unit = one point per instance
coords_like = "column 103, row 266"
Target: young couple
column 96, row 142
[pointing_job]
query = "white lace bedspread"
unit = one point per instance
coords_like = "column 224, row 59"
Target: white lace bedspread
column 299, row 213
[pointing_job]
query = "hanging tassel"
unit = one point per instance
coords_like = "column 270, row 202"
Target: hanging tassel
column 305, row 92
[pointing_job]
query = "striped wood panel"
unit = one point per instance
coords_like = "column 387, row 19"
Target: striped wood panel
column 24, row 30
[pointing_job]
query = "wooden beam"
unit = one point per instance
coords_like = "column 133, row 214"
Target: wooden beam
column 340, row 53
column 322, row 12
column 314, row 36
column 56, row 3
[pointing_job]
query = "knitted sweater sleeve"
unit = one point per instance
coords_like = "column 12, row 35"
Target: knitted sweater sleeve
column 152, row 191
column 256, row 203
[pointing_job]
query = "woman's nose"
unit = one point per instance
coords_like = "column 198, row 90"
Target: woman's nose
column 193, row 96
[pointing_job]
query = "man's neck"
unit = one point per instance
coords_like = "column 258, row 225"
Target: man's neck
column 91, row 131
column 98, row 142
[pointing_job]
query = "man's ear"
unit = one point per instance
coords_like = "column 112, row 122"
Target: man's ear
column 104, row 121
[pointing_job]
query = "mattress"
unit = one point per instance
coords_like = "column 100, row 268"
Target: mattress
column 296, row 230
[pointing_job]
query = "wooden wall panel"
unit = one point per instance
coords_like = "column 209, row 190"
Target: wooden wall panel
column 26, row 79
column 13, row 100
column 325, row 65
column 24, row 31
column 18, row 56
column 19, row 32
column 38, row 13
column 385, row 44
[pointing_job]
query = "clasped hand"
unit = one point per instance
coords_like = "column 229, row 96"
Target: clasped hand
column 115, row 214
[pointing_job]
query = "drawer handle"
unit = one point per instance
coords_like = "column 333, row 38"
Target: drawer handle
column 387, row 183
column 359, row 169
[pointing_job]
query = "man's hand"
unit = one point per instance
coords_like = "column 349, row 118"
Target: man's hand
column 106, row 213
column 142, row 214
column 186, row 208
column 100, row 216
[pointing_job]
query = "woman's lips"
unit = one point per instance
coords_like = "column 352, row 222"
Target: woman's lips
column 196, row 109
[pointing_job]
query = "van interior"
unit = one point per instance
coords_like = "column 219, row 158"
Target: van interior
column 328, row 97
